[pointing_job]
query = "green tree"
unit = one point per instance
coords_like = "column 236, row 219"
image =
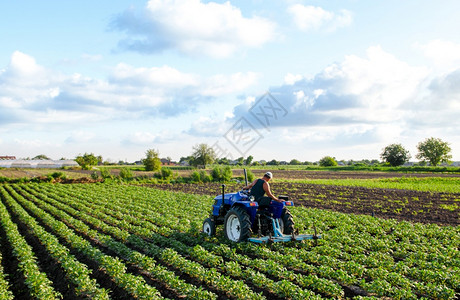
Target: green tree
column 86, row 161
column 249, row 160
column 295, row 162
column 327, row 161
column 203, row 155
column 152, row 160
column 434, row 150
column 223, row 161
column 273, row 162
column 395, row 155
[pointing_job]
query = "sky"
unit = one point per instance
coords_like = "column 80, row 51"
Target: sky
column 277, row 80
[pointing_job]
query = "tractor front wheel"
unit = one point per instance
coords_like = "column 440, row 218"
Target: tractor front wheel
column 209, row 227
column 237, row 225
column 286, row 222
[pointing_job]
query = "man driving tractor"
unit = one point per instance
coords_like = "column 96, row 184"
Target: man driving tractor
column 260, row 187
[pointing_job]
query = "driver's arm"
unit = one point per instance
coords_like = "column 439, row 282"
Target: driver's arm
column 269, row 193
column 250, row 185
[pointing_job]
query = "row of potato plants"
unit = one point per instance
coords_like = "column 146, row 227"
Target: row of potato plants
column 36, row 281
column 166, row 209
column 77, row 272
column 132, row 257
column 169, row 256
column 268, row 266
column 439, row 243
column 134, row 285
column 281, row 288
column 398, row 281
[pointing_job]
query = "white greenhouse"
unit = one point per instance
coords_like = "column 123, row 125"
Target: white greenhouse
column 37, row 164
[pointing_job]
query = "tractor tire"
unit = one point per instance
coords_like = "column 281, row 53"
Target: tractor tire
column 209, row 227
column 286, row 222
column 237, row 225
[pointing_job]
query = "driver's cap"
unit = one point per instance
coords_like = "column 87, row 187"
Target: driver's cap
column 269, row 174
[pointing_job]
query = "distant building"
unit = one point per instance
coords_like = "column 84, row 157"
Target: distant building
column 38, row 164
column 166, row 162
column 7, row 157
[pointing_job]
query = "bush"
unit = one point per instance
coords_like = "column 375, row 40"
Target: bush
column 56, row 175
column 327, row 161
column 166, row 173
column 227, row 174
column 205, row 177
column 221, row 174
column 95, row 175
column 250, row 175
column 195, row 176
column 126, row 173
column 105, row 173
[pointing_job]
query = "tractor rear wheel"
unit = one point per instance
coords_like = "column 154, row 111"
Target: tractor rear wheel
column 209, row 227
column 286, row 222
column 237, row 225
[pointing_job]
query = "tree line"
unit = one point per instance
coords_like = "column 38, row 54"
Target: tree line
column 432, row 150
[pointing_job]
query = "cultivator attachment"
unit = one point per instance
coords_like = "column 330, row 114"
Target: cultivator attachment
column 280, row 237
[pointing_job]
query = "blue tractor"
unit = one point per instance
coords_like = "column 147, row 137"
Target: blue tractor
column 243, row 218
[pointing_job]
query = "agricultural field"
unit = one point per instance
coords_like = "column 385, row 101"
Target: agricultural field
column 416, row 197
column 116, row 241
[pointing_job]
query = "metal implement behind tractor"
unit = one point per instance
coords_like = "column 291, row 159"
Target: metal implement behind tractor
column 242, row 216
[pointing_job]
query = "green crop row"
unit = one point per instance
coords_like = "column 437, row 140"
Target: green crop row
column 158, row 233
column 135, row 285
column 398, row 281
column 425, row 184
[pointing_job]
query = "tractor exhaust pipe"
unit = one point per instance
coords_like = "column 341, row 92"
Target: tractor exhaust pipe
column 223, row 193
column 245, row 176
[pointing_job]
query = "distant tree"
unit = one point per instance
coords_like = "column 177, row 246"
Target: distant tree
column 188, row 159
column 249, row 160
column 434, row 150
column 86, row 161
column 223, row 161
column 375, row 162
column 295, row 162
column 152, row 161
column 327, row 161
column 41, row 157
column 273, row 162
column 203, row 155
column 395, row 155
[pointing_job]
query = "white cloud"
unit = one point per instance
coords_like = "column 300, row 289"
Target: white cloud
column 292, row 78
column 33, row 94
column 141, row 138
column 445, row 54
column 375, row 90
column 308, row 17
column 80, row 136
column 193, row 27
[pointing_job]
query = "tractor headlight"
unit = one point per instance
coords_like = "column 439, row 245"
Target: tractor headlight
column 251, row 198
